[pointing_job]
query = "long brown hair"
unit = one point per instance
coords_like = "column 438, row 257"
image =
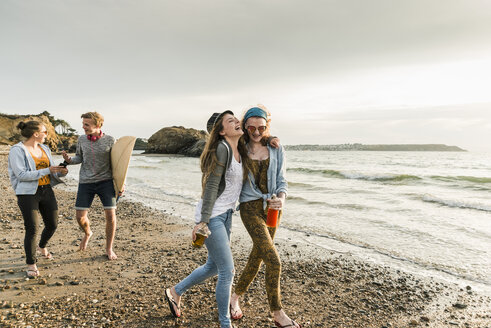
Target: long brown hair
column 208, row 158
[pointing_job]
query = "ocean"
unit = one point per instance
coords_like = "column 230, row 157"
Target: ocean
column 428, row 213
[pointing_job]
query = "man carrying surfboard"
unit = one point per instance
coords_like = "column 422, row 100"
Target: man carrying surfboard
column 94, row 153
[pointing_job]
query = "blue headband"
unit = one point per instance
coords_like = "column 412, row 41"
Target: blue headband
column 255, row 112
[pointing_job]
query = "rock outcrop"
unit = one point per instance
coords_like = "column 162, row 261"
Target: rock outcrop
column 177, row 140
column 140, row 144
column 10, row 135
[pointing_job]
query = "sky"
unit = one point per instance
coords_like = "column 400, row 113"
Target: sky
column 330, row 72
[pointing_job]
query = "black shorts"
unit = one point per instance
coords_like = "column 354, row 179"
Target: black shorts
column 87, row 191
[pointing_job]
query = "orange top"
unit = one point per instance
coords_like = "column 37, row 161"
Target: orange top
column 42, row 163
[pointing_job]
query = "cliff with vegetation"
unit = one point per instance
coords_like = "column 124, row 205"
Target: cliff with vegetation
column 362, row 147
column 60, row 135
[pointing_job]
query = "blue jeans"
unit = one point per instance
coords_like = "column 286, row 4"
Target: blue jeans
column 219, row 261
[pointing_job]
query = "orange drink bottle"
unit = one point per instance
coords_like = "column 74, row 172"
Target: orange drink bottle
column 272, row 219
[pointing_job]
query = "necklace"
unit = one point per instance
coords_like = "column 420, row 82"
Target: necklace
column 249, row 150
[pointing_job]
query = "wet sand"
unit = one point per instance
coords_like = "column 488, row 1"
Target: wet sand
column 84, row 289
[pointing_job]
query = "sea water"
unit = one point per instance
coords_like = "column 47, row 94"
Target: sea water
column 426, row 212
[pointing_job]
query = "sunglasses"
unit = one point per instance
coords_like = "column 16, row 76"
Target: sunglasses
column 44, row 132
column 259, row 129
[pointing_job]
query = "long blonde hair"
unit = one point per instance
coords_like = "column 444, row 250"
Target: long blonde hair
column 247, row 162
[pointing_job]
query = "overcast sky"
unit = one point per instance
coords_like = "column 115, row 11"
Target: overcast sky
column 345, row 71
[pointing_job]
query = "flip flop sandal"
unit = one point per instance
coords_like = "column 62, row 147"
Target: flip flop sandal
column 48, row 257
column 32, row 273
column 293, row 324
column 171, row 302
column 233, row 314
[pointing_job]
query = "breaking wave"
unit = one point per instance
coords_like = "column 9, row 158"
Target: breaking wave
column 357, row 176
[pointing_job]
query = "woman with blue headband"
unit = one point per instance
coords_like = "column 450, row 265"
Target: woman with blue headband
column 264, row 167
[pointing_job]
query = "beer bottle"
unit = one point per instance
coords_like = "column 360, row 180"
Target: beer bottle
column 201, row 234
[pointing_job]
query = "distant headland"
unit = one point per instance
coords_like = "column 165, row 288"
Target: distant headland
column 177, row 139
column 362, row 147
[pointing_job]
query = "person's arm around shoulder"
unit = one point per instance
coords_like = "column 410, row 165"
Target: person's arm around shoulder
column 211, row 188
column 274, row 141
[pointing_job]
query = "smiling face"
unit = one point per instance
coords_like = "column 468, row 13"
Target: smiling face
column 231, row 126
column 256, row 128
column 40, row 136
column 89, row 127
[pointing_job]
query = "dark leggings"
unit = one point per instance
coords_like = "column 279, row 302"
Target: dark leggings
column 44, row 200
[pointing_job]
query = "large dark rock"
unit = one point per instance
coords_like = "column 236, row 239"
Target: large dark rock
column 140, row 144
column 177, row 140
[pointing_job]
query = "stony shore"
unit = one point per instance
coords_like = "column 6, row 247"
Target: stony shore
column 84, row 289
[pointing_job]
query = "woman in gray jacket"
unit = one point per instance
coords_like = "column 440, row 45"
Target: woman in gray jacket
column 222, row 183
column 32, row 174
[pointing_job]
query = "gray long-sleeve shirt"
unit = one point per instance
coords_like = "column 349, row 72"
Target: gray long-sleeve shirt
column 95, row 157
column 215, row 185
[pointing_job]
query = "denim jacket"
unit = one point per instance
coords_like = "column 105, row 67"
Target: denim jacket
column 22, row 170
column 276, row 179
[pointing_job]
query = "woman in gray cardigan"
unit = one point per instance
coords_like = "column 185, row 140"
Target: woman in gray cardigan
column 32, row 174
column 222, row 183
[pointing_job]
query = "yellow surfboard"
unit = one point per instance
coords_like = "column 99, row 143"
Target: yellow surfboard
column 120, row 160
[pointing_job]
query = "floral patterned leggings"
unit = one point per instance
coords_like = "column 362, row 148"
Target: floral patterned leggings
column 254, row 218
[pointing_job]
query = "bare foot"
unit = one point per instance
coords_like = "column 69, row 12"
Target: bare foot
column 282, row 320
column 85, row 241
column 235, row 311
column 44, row 252
column 111, row 255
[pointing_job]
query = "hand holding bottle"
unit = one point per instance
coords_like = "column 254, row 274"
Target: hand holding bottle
column 275, row 204
column 200, row 233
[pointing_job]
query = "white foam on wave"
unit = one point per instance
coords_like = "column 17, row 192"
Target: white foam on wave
column 456, row 203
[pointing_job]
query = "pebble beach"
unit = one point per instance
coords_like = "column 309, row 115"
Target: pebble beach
column 319, row 288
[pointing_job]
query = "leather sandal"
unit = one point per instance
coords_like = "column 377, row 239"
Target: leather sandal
column 48, row 256
column 32, row 273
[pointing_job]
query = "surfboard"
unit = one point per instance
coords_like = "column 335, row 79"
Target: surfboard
column 120, row 160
